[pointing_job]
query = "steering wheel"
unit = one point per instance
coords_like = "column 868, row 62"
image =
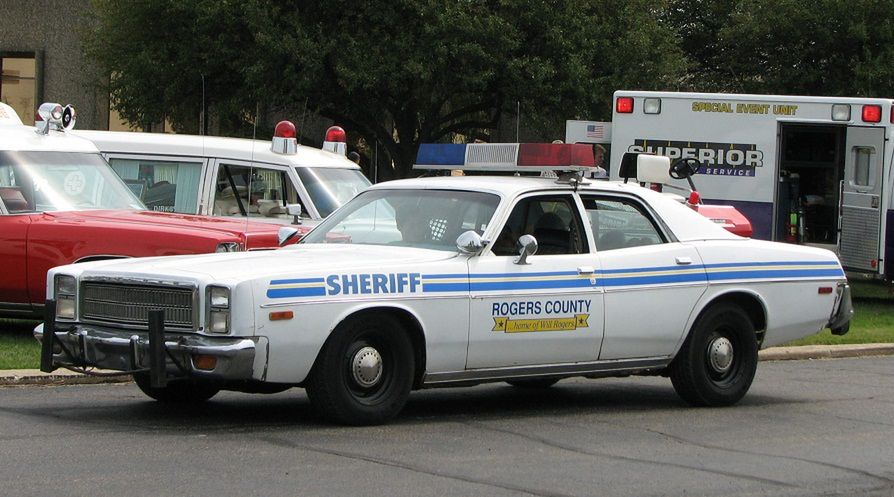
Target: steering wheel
column 684, row 168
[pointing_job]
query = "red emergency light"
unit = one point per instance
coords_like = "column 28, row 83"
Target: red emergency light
column 336, row 134
column 624, row 105
column 872, row 113
column 555, row 155
column 285, row 129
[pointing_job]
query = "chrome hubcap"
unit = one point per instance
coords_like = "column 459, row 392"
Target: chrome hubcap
column 720, row 354
column 367, row 367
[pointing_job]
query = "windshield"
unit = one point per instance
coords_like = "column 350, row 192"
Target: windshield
column 329, row 188
column 61, row 181
column 407, row 218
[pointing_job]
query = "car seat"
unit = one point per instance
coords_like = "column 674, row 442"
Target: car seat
column 13, row 199
column 553, row 236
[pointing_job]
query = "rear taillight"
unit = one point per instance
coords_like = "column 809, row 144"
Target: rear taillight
column 624, row 105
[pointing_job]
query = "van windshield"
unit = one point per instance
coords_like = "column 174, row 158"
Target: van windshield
column 38, row 181
column 329, row 188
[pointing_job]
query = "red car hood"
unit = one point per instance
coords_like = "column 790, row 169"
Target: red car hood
column 257, row 234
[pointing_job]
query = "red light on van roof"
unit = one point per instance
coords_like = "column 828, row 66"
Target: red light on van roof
column 336, row 134
column 872, row 113
column 624, row 105
column 284, row 129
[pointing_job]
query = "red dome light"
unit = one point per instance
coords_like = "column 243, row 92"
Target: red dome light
column 336, row 134
column 284, row 129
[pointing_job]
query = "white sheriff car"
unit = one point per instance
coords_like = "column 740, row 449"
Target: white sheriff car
column 450, row 281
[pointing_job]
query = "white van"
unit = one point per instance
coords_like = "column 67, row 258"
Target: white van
column 233, row 176
column 811, row 170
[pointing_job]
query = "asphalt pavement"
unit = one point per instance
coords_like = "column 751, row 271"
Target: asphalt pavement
column 12, row 377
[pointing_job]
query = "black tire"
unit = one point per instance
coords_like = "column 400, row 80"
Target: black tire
column 716, row 365
column 178, row 391
column 533, row 383
column 366, row 395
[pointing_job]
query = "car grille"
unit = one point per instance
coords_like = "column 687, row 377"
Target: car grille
column 129, row 304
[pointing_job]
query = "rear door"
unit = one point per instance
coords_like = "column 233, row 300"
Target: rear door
column 861, row 199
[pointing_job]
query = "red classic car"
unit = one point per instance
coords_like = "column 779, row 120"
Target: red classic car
column 60, row 203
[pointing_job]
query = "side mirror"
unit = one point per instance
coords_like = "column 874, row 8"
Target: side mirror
column 285, row 234
column 294, row 210
column 528, row 246
column 469, row 243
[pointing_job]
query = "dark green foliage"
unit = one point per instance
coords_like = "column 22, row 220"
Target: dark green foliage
column 399, row 72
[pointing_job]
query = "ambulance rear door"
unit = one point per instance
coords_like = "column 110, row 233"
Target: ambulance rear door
column 861, row 199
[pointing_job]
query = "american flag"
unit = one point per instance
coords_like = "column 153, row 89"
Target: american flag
column 595, row 131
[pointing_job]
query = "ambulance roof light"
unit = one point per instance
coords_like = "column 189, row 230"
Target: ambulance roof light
column 285, row 129
column 284, row 141
column 872, row 113
column 841, row 112
column 652, row 106
column 336, row 134
column 624, row 105
column 336, row 140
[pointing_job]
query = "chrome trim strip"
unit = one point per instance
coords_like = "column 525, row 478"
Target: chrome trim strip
column 606, row 368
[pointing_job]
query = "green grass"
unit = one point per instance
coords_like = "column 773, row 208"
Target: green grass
column 873, row 323
column 18, row 348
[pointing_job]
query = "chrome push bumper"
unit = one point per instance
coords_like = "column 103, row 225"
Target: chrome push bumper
column 81, row 347
column 840, row 321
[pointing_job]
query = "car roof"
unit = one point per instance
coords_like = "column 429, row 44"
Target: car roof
column 20, row 138
column 685, row 223
column 211, row 146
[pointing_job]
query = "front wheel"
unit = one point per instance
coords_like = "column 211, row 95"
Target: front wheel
column 364, row 373
column 177, row 391
column 716, row 365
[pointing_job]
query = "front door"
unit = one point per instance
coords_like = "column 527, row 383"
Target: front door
column 861, row 199
column 548, row 311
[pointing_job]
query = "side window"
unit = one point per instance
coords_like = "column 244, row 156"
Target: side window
column 620, row 223
column 253, row 191
column 552, row 220
column 165, row 186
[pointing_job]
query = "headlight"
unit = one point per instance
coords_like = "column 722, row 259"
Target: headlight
column 228, row 247
column 218, row 303
column 65, row 292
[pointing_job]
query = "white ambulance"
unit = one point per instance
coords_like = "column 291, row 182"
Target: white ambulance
column 812, row 170
column 234, row 177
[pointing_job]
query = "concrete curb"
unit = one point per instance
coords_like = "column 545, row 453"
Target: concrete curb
column 24, row 377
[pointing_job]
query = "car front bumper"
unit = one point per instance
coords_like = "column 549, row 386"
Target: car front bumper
column 81, row 347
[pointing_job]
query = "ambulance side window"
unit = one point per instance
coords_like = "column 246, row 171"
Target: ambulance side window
column 253, row 191
column 620, row 223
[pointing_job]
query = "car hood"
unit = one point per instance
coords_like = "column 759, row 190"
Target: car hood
column 235, row 226
column 309, row 259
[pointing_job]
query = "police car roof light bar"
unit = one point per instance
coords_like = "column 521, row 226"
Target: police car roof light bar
column 506, row 157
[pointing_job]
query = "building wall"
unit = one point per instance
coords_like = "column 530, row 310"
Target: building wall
column 51, row 29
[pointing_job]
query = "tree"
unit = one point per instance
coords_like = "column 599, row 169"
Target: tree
column 827, row 47
column 399, row 72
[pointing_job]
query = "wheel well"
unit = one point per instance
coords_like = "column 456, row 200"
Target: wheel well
column 749, row 303
column 413, row 329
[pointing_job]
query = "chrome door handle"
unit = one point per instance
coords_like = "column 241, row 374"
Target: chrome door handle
column 684, row 260
column 585, row 270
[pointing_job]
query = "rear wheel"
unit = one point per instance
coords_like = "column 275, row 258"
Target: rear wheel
column 177, row 391
column 364, row 373
column 716, row 365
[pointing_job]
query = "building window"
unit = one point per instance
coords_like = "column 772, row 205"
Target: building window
column 18, row 84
